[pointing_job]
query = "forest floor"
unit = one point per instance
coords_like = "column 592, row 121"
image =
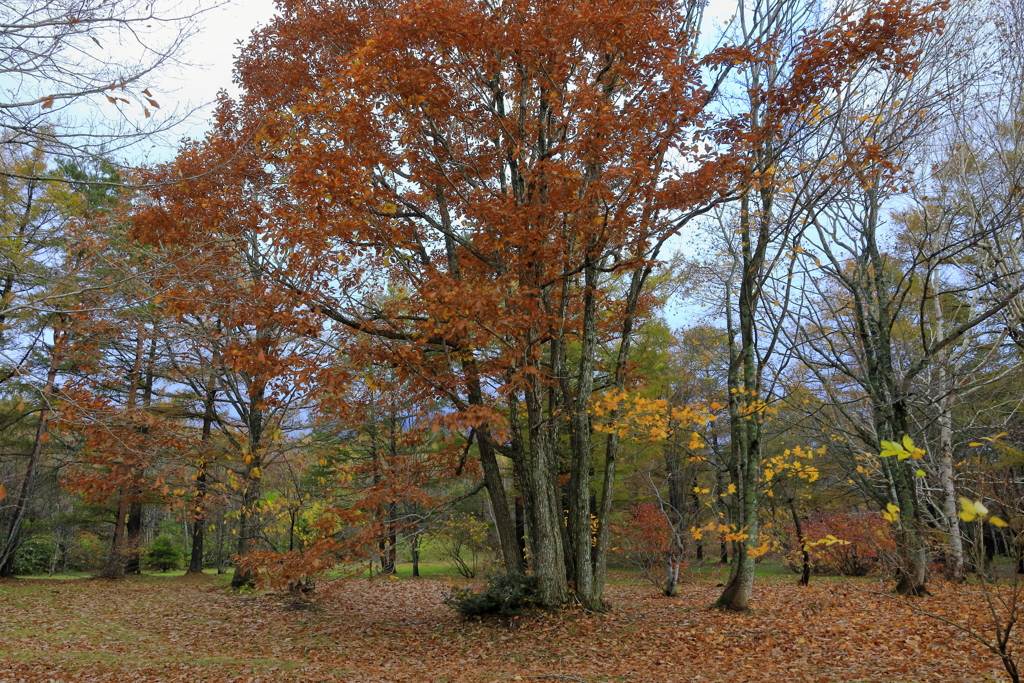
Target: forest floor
column 190, row 628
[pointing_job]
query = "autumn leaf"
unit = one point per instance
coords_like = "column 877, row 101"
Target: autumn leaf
column 891, row 513
column 969, row 509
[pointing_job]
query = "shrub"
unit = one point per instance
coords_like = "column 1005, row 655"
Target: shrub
column 164, row 554
column 864, row 540
column 461, row 535
column 506, row 595
column 34, row 555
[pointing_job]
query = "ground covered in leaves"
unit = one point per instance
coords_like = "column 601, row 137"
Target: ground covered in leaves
column 192, row 629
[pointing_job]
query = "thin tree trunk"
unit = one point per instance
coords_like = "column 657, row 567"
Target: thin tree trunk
column 521, row 528
column 746, row 415
column 13, row 535
column 127, row 495
column 195, row 565
column 805, row 569
column 949, row 498
column 133, row 562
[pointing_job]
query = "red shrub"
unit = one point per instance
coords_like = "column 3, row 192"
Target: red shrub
column 861, row 543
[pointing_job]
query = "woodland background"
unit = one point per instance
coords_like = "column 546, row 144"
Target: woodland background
column 529, row 288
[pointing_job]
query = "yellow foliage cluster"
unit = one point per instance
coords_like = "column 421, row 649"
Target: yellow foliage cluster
column 793, row 461
column 828, row 540
column 730, row 532
column 646, row 419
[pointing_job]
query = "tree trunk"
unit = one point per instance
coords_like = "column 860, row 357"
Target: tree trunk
column 746, row 410
column 579, row 528
column 115, row 563
column 805, row 569
column 133, row 544
column 195, row 563
column 248, row 526
column 521, row 528
column 414, row 550
column 547, row 551
column 955, row 542
column 13, row 531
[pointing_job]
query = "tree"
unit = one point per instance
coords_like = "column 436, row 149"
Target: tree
column 864, row 322
column 489, row 205
column 163, row 553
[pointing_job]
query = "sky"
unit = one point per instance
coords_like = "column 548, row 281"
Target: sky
column 210, row 56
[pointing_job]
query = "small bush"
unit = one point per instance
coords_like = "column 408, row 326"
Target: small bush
column 460, row 535
column 505, row 595
column 34, row 556
column 164, row 554
column 864, row 540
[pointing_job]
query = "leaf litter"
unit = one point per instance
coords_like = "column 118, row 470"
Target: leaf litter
column 189, row 629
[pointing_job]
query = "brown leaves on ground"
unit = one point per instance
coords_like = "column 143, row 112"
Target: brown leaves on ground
column 189, row 629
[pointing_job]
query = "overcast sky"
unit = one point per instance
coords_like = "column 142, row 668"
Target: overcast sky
column 211, row 56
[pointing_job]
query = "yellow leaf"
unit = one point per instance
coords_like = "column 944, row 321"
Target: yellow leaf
column 732, row 488
column 908, row 443
column 997, row 521
column 974, row 444
column 968, row 510
column 892, row 512
column 889, row 449
column 920, row 473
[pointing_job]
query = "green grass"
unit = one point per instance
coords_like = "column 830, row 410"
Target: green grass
column 89, row 575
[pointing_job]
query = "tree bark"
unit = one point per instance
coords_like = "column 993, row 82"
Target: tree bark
column 248, row 531
column 195, row 565
column 133, row 542
column 745, row 413
column 13, row 531
column 955, row 540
